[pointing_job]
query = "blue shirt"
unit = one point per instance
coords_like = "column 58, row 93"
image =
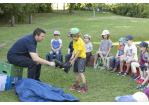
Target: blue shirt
column 23, row 46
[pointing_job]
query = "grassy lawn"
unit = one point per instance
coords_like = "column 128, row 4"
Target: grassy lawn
column 103, row 86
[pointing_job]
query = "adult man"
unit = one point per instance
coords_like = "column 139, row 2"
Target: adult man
column 24, row 53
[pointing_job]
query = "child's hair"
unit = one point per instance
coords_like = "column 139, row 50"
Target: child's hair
column 108, row 36
column 76, row 35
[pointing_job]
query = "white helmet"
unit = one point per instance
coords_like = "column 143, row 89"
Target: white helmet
column 56, row 33
column 105, row 32
column 88, row 36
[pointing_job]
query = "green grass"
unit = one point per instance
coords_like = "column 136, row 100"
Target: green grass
column 103, row 86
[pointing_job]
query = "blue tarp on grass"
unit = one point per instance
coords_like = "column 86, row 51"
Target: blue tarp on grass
column 30, row 90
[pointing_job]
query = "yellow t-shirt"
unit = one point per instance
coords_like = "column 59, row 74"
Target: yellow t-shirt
column 79, row 45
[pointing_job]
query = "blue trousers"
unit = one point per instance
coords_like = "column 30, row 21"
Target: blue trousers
column 67, row 57
column 116, row 62
column 49, row 56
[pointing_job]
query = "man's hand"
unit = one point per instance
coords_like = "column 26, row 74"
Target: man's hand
column 52, row 64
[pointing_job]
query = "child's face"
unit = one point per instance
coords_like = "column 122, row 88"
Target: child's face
column 86, row 40
column 121, row 43
column 105, row 36
column 128, row 42
column 56, row 36
column 75, row 38
column 142, row 48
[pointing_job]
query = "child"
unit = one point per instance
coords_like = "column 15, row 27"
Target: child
column 116, row 59
column 130, row 55
column 143, row 59
column 104, row 49
column 88, row 46
column 78, row 59
column 56, row 44
column 70, row 51
column 146, row 80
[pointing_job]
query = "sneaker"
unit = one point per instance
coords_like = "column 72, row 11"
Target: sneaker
column 113, row 71
column 132, row 75
column 95, row 66
column 104, row 67
column 83, row 89
column 140, row 81
column 109, row 69
column 144, row 88
column 140, row 86
column 136, row 77
column 75, row 87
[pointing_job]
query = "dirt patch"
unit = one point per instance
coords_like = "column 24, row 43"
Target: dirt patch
column 9, row 41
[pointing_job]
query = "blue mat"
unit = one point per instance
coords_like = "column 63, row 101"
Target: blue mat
column 30, row 90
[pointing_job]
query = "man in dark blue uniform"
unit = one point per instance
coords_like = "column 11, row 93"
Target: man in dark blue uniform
column 24, row 53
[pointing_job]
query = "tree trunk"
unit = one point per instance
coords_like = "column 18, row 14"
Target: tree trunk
column 12, row 20
column 93, row 14
column 30, row 19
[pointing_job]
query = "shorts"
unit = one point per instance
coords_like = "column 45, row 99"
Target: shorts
column 129, row 57
column 143, row 67
column 80, row 64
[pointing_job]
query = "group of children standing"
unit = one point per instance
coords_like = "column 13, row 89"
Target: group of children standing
column 79, row 52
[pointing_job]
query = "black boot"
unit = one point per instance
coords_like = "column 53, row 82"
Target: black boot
column 59, row 64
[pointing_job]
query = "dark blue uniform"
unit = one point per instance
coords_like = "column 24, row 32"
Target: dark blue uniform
column 19, row 55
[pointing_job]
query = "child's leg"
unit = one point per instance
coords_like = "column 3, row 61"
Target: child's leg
column 96, row 57
column 103, row 60
column 141, row 74
column 145, row 80
column 122, row 59
column 58, row 54
column 129, row 61
column 77, row 78
column 88, row 56
column 83, row 79
column 133, row 66
column 117, row 63
column 112, row 62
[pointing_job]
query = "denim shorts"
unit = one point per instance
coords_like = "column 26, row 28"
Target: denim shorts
column 143, row 67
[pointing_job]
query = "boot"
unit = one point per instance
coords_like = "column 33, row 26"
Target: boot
column 60, row 65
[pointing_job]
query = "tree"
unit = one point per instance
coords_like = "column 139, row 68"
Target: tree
column 71, row 7
column 95, row 6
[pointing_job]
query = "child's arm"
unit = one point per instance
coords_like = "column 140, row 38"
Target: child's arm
column 52, row 48
column 117, row 54
column 132, row 55
column 58, row 48
column 78, row 53
column 90, row 50
column 68, row 51
column 73, row 53
column 99, row 48
column 108, row 52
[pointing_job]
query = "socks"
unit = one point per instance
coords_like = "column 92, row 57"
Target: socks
column 142, row 78
column 135, row 74
column 84, row 84
column 77, row 82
